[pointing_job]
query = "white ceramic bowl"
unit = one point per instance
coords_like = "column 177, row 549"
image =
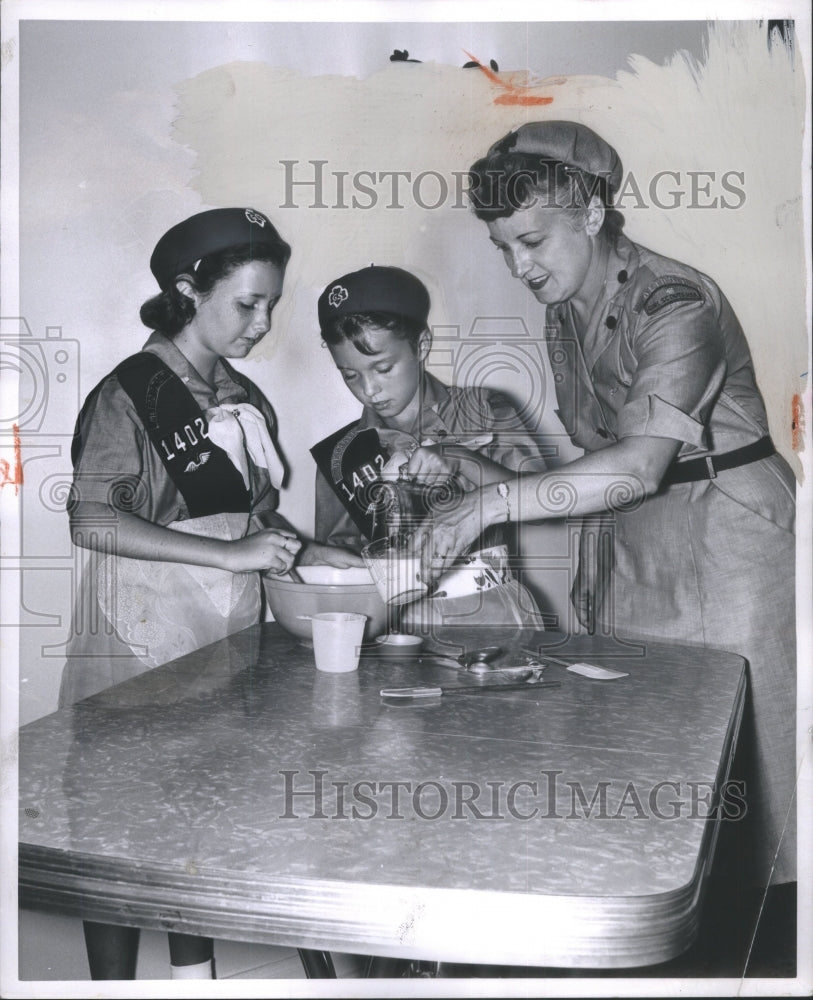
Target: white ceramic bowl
column 325, row 589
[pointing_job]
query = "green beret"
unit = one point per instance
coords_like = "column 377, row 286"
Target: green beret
column 375, row 289
column 569, row 143
column 210, row 232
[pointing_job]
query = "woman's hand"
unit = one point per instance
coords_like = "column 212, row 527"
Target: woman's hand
column 592, row 580
column 316, row 554
column 439, row 541
column 583, row 597
column 270, row 550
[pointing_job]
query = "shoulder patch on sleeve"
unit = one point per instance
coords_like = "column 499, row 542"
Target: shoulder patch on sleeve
column 667, row 290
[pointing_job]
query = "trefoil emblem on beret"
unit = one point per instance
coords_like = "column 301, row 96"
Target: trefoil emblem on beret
column 338, row 294
column 255, row 217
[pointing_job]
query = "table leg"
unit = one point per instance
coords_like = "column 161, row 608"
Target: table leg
column 112, row 950
column 317, row 964
column 400, row 968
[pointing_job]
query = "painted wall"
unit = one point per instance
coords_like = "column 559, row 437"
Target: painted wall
column 128, row 127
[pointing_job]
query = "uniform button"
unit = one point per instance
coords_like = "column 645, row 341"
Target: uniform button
column 610, row 322
column 614, row 390
column 558, row 377
column 622, row 276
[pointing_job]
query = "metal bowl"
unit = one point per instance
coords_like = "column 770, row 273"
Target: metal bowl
column 325, row 589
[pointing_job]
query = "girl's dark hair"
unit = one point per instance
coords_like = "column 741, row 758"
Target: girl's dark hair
column 355, row 327
column 171, row 310
column 503, row 183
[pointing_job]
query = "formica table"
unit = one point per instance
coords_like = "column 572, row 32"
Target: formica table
column 237, row 792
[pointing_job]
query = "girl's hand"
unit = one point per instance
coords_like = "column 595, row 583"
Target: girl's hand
column 270, row 550
column 430, row 463
column 439, row 541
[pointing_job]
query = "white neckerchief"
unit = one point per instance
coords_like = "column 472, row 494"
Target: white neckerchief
column 240, row 430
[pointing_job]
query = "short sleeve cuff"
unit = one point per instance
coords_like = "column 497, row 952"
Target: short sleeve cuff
column 654, row 417
column 123, row 491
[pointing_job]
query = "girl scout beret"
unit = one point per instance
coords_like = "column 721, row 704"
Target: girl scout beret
column 212, row 232
column 570, row 143
column 375, row 289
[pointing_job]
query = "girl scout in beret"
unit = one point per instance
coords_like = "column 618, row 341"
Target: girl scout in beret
column 176, row 479
column 421, row 432
column 654, row 380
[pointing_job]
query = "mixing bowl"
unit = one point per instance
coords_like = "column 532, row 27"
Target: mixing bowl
column 325, row 589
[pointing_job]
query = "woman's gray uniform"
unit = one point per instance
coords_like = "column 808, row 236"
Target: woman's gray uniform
column 708, row 562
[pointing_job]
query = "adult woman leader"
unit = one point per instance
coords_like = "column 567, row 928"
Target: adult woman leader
column 175, row 488
column 654, row 380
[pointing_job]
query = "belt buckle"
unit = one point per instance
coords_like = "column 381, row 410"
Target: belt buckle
column 710, row 467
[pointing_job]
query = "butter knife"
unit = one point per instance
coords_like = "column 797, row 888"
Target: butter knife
column 437, row 691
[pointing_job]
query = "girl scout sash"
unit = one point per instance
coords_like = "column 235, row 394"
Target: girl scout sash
column 177, row 428
column 351, row 460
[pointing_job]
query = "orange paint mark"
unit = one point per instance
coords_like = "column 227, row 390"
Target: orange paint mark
column 6, row 475
column 485, row 69
column 524, row 100
column 797, row 422
column 514, row 95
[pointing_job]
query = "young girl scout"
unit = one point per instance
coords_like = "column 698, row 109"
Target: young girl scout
column 413, row 427
column 176, row 480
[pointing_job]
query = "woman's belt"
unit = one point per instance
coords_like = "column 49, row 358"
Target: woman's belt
column 697, row 469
